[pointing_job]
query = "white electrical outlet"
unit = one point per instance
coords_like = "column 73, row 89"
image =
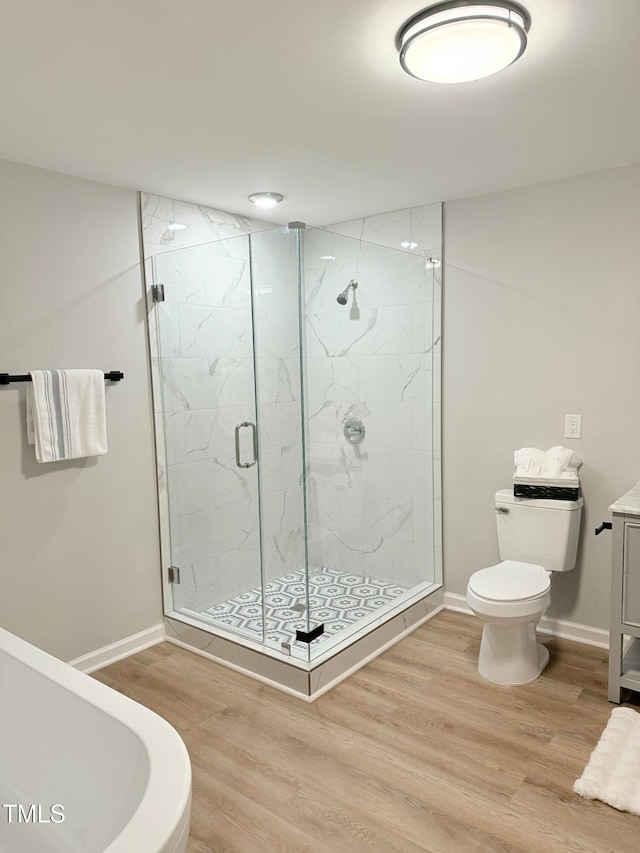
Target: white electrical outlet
column 573, row 426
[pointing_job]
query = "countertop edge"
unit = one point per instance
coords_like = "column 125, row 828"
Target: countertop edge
column 629, row 502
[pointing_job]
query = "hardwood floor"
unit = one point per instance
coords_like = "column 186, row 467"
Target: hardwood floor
column 415, row 752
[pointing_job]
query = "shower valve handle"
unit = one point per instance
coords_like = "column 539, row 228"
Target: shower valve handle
column 353, row 430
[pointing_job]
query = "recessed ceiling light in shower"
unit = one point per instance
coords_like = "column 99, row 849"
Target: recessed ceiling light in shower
column 176, row 226
column 266, row 199
column 459, row 41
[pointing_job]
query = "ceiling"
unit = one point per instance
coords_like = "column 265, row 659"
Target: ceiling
column 208, row 101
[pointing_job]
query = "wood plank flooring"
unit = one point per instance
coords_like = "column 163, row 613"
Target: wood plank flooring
column 415, row 752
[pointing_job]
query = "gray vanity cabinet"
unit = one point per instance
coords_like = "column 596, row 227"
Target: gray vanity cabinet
column 624, row 637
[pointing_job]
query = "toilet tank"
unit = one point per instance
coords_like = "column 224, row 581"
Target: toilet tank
column 543, row 532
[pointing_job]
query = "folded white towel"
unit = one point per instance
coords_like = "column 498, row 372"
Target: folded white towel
column 563, row 457
column 67, row 412
column 530, row 461
column 558, row 463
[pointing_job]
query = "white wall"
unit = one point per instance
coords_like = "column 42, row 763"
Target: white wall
column 541, row 318
column 79, row 539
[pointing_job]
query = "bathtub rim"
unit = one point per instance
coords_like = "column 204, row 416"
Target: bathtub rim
column 163, row 812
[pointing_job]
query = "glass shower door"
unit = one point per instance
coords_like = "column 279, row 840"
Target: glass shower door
column 208, row 416
column 275, row 273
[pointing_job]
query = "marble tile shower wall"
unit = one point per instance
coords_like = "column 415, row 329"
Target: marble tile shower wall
column 374, row 508
column 416, row 229
column 169, row 224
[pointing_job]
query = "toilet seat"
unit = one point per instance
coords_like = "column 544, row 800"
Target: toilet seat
column 510, row 581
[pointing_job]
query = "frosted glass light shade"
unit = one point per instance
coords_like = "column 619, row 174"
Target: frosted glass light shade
column 266, row 199
column 456, row 42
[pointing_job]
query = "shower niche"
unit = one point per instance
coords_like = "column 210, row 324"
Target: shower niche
column 295, row 382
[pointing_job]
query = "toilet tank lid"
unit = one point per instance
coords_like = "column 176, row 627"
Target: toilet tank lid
column 510, row 580
column 506, row 496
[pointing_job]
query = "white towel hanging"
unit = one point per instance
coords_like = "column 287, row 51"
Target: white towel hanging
column 67, row 410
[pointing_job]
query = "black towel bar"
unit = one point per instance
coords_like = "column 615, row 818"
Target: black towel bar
column 5, row 378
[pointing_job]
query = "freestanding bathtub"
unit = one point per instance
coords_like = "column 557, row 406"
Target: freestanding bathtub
column 84, row 769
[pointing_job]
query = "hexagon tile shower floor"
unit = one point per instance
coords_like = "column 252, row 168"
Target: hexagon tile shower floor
column 336, row 598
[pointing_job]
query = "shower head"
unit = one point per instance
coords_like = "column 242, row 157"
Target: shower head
column 342, row 297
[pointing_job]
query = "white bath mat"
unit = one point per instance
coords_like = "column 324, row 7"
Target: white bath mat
column 613, row 772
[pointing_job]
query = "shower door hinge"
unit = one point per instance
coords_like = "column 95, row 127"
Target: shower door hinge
column 174, row 574
column 157, row 292
column 310, row 636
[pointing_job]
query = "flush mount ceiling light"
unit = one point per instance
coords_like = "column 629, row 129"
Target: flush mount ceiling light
column 266, row 199
column 459, row 41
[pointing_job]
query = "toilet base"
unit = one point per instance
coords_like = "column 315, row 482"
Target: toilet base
column 510, row 654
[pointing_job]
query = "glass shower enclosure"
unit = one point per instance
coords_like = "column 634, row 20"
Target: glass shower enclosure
column 295, row 409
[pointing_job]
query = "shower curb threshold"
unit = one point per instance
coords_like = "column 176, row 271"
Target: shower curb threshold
column 306, row 681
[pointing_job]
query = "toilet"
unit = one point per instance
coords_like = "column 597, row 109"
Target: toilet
column 535, row 538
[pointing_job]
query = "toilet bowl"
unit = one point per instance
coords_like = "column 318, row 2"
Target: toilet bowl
column 535, row 538
column 510, row 599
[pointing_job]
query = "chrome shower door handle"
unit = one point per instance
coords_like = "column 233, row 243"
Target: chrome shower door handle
column 255, row 444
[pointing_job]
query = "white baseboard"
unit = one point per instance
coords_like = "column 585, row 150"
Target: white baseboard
column 548, row 625
column 119, row 650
